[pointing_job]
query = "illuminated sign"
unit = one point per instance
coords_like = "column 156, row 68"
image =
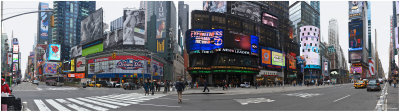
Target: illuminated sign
column 15, row 48
column 160, row 45
column 235, row 71
column 254, row 45
column 205, row 39
column 355, row 9
column 199, row 71
column 237, row 51
column 269, row 20
column 73, row 65
column 233, row 67
column 292, row 61
column 129, row 64
column 199, row 68
column 278, row 59
column 265, row 57
column 15, row 58
column 356, row 69
column 54, row 52
column 355, row 35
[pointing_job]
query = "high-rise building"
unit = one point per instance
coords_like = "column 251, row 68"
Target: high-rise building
column 333, row 32
column 301, row 14
column 4, row 53
column 183, row 23
column 67, row 19
column 44, row 30
column 116, row 24
column 161, row 35
column 315, row 5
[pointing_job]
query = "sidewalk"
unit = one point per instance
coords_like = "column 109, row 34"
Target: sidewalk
column 392, row 98
column 252, row 90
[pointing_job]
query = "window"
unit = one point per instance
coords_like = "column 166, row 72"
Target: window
column 306, row 38
column 308, row 33
column 317, row 39
column 304, row 44
column 303, row 50
column 308, row 50
column 304, row 29
column 303, row 34
column 310, row 29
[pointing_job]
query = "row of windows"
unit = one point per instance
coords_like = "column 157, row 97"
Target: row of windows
column 307, row 38
column 310, row 44
column 314, row 50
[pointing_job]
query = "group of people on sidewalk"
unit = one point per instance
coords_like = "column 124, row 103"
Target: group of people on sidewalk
column 392, row 83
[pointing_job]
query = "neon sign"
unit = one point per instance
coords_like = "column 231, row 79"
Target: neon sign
column 205, row 39
column 129, row 64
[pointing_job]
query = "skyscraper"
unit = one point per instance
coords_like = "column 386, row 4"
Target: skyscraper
column 44, row 31
column 301, row 14
column 68, row 16
column 183, row 22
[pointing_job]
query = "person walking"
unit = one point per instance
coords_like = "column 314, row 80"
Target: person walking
column 146, row 87
column 180, row 87
column 165, row 86
column 255, row 84
column 205, row 86
column 152, row 85
column 394, row 83
column 224, row 85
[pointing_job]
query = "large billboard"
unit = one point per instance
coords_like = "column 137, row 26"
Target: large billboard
column 355, row 69
column 113, row 39
column 277, row 58
column 15, row 48
column 265, row 57
column 246, row 10
column 161, row 25
column 214, row 6
column 355, row 35
column 75, row 51
column 237, row 41
column 73, row 65
column 9, row 58
column 80, row 64
column 205, row 39
column 254, row 45
column 355, row 56
column 15, row 58
column 134, row 27
column 355, row 9
column 15, row 67
column 54, row 52
column 92, row 27
column 50, row 68
column 44, row 21
column 123, row 65
column 92, row 49
column 269, row 20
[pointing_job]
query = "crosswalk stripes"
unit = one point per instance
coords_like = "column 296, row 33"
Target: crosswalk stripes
column 41, row 105
column 94, row 103
column 57, row 105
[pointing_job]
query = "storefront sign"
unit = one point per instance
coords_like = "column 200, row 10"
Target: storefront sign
column 199, row 68
column 267, row 73
column 237, row 51
column 129, row 64
column 233, row 67
column 71, row 75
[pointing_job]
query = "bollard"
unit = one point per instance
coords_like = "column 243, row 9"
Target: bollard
column 24, row 106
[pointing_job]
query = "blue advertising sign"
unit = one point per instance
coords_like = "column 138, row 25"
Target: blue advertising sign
column 205, row 39
column 355, row 34
column 54, row 52
column 254, row 44
column 44, row 21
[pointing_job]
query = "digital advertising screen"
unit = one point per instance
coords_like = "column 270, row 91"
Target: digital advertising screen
column 15, row 48
column 247, row 10
column 205, row 39
column 237, row 41
column 15, row 58
column 92, row 27
column 9, row 58
column 54, row 52
column 277, row 59
column 50, row 68
column 254, row 44
column 265, row 56
column 355, row 69
column 44, row 21
column 355, row 56
column 161, row 13
column 75, row 51
column 214, row 6
column 292, row 60
column 15, row 67
column 355, row 34
column 310, row 52
column 92, row 49
column 73, row 65
column 355, row 9
column 134, row 31
column 269, row 20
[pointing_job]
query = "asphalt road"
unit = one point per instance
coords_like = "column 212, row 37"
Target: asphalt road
column 337, row 98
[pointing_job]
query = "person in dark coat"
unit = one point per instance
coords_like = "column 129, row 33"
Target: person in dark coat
column 152, row 85
column 180, row 87
column 146, row 87
column 205, row 86
column 166, row 86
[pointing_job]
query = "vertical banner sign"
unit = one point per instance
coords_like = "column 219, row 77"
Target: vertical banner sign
column 44, row 22
column 161, row 32
column 73, row 65
column 371, row 68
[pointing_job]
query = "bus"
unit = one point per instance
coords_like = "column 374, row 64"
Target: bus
column 55, row 81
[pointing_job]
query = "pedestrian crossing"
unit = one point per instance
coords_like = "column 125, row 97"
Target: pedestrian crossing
column 93, row 103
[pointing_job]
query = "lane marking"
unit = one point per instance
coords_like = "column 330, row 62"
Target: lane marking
column 99, row 103
column 253, row 100
column 342, row 98
column 87, row 105
column 71, row 105
column 102, row 100
column 122, row 101
column 40, row 104
column 56, row 105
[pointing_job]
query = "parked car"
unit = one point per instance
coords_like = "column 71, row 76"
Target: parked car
column 245, row 85
column 35, row 82
column 130, row 86
column 104, row 83
column 360, row 84
column 373, row 85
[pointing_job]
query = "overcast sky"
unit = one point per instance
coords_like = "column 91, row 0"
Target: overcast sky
column 25, row 27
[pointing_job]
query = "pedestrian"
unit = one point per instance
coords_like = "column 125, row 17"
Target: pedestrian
column 152, row 85
column 390, row 82
column 165, row 86
column 224, row 85
column 394, row 83
column 255, row 84
column 205, row 86
column 180, row 87
column 146, row 87
column 4, row 87
column 294, row 83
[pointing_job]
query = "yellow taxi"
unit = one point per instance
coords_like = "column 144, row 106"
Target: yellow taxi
column 360, row 84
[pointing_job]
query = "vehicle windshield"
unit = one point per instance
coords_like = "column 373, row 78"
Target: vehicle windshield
column 372, row 81
column 359, row 81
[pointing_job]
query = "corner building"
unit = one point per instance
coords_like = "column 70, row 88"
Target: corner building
column 225, row 43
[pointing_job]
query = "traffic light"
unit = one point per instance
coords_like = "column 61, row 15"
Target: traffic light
column 114, row 55
column 52, row 21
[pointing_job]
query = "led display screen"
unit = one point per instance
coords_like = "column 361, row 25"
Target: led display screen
column 237, row 41
column 247, row 10
column 355, row 34
column 269, row 20
column 277, row 59
column 205, row 39
column 54, row 52
column 134, row 27
column 254, row 44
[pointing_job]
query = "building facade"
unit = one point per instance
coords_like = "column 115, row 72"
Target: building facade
column 116, row 24
column 67, row 19
column 301, row 14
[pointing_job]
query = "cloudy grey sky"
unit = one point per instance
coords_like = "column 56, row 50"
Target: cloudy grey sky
column 380, row 11
column 25, row 27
